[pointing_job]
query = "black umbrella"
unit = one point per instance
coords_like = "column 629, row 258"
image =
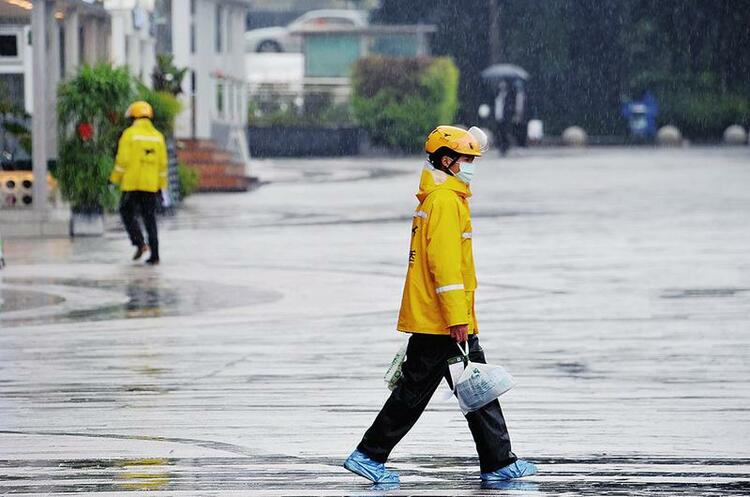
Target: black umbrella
column 504, row 71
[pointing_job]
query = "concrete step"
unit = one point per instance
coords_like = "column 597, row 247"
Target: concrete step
column 225, row 184
column 197, row 143
column 193, row 155
column 214, row 169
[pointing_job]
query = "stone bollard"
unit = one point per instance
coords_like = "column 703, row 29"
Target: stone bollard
column 735, row 135
column 669, row 136
column 574, row 136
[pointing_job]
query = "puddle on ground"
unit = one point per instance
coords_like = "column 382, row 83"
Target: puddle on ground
column 14, row 300
column 146, row 296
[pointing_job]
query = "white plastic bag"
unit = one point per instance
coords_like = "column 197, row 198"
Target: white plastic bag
column 480, row 384
column 394, row 370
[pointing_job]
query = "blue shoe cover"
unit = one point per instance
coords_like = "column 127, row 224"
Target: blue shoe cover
column 374, row 471
column 518, row 469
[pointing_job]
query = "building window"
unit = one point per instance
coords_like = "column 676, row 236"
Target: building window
column 219, row 98
column 8, row 45
column 162, row 24
column 229, row 24
column 218, row 28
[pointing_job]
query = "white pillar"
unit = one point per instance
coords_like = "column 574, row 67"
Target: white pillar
column 105, row 40
column 134, row 55
column 203, row 64
column 28, row 68
column 72, row 45
column 53, row 78
column 180, row 27
column 238, row 57
column 90, row 40
column 119, row 46
column 148, row 60
column 39, row 118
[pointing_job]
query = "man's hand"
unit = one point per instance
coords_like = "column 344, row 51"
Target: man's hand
column 460, row 332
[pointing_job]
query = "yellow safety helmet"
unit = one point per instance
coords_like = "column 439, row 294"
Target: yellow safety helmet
column 456, row 139
column 140, row 109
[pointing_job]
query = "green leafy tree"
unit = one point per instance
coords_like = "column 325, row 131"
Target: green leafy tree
column 398, row 101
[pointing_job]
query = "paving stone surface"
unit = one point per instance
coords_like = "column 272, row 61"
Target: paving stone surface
column 613, row 283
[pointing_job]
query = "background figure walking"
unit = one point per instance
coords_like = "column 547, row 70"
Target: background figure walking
column 503, row 108
column 437, row 309
column 141, row 171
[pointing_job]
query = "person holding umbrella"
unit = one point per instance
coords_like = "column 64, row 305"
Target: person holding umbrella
column 437, row 310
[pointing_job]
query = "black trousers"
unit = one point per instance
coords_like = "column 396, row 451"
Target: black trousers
column 426, row 365
column 131, row 204
column 503, row 131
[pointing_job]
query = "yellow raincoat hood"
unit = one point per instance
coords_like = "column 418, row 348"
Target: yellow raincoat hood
column 440, row 281
column 433, row 179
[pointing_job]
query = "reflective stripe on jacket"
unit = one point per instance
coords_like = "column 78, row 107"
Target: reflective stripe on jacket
column 141, row 162
column 440, row 281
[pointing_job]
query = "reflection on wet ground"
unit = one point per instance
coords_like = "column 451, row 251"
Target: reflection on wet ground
column 281, row 475
column 143, row 295
column 14, row 300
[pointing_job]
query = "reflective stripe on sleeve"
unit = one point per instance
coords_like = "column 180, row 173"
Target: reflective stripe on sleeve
column 421, row 214
column 449, row 288
column 119, row 169
column 466, row 235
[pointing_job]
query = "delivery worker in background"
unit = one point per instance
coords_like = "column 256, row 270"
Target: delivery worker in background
column 437, row 309
column 141, row 171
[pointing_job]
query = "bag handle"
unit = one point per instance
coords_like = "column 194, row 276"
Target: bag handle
column 464, row 353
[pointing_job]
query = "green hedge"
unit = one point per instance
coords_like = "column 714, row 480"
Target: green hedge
column 166, row 108
column 398, row 101
column 696, row 104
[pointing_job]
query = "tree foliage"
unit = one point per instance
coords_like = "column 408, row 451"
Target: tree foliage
column 398, row 101
column 585, row 56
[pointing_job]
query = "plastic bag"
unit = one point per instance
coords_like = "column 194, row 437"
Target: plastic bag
column 393, row 375
column 480, row 384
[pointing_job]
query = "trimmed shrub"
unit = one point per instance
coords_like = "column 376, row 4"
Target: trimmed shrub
column 189, row 180
column 166, row 108
column 398, row 101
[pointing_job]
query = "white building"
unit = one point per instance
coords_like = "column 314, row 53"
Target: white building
column 132, row 41
column 207, row 36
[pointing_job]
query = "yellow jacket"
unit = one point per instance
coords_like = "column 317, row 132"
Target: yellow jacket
column 440, row 282
column 141, row 162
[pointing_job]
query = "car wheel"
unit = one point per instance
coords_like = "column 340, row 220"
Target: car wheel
column 269, row 46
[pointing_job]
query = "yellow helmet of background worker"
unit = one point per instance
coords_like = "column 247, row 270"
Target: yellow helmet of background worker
column 140, row 109
column 459, row 140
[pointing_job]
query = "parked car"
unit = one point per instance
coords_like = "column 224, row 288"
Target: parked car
column 281, row 39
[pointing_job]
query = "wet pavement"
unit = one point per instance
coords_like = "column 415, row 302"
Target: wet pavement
column 614, row 284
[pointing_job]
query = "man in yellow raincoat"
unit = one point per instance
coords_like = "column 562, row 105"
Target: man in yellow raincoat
column 437, row 309
column 141, row 171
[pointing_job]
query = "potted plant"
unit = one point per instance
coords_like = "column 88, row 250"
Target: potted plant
column 91, row 116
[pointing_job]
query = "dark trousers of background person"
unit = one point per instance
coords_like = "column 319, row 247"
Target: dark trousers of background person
column 426, row 365
column 131, row 204
column 520, row 133
column 503, row 131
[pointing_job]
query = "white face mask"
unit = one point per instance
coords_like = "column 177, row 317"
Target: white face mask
column 466, row 173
